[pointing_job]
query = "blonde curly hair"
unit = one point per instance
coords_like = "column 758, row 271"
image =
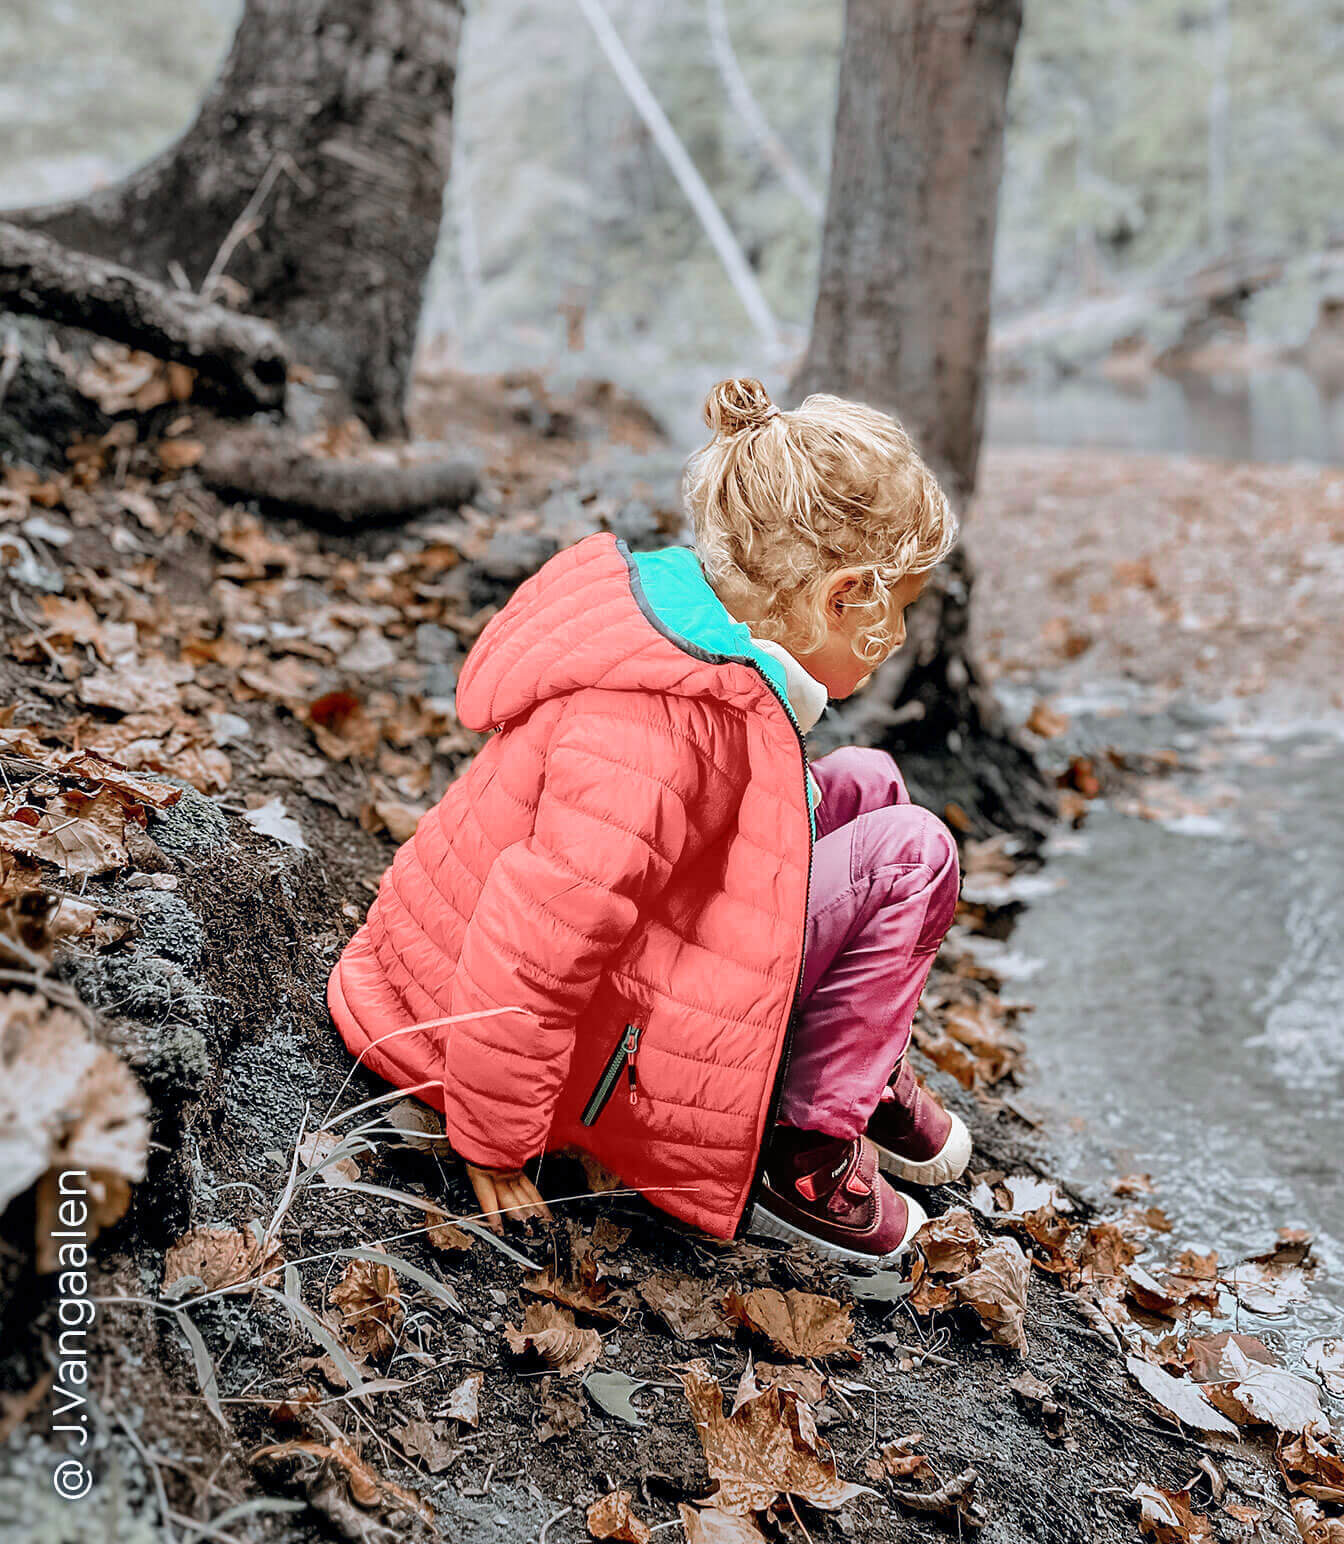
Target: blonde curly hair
column 779, row 501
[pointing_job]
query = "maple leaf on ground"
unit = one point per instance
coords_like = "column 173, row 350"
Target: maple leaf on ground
column 997, row 1291
column 1105, row 1253
column 707, row 1525
column 1206, row 1355
column 582, row 1291
column 1268, row 1288
column 1166, row 1515
column 550, row 1334
column 768, row 1448
column 369, row 1301
column 222, row 1258
column 1313, row 1525
column 612, row 1517
column 808, row 1384
column 801, row 1324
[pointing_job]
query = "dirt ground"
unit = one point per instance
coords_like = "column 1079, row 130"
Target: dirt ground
column 320, row 671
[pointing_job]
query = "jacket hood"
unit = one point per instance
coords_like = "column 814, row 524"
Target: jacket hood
column 598, row 615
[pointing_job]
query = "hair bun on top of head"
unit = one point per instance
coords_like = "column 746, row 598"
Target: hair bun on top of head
column 738, row 404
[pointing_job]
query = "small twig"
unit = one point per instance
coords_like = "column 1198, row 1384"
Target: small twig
column 91, row 900
column 246, row 223
column 150, row 1463
column 9, row 360
column 551, row 1522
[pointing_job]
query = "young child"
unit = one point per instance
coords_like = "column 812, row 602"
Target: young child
column 657, row 932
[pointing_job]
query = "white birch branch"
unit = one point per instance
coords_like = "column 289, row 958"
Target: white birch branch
column 683, row 168
column 749, row 110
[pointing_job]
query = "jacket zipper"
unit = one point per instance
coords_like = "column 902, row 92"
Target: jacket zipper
column 623, row 1056
column 781, row 1072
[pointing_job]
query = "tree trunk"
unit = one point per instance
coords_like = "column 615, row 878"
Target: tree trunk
column 901, row 322
column 313, row 176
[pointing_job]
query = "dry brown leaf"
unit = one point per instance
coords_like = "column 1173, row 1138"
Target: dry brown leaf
column 769, row 1448
column 801, row 1324
column 444, row 1234
column 900, row 1461
column 690, row 1309
column 135, row 685
column 550, row 1334
column 1311, row 1466
column 464, row 1403
column 67, row 1107
column 808, row 1384
column 950, row 1243
column 1267, row 1288
column 321, row 1144
column 223, row 1259
column 178, row 455
column 613, row 1517
column 1314, row 1526
column 79, row 836
column 1166, row 1515
column 1105, row 1253
column 1185, row 1400
column 983, row 1030
column 582, row 1290
column 431, row 1444
column 997, row 1291
column 1270, row 1396
column 1206, row 1355
column 369, row 1301
column 1133, row 1185
column 707, row 1525
column 367, row 1487
column 561, row 1411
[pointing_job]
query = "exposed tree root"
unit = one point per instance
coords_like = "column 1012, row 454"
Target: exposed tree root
column 325, row 491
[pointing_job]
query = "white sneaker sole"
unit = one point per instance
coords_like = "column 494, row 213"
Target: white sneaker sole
column 945, row 1166
column 768, row 1225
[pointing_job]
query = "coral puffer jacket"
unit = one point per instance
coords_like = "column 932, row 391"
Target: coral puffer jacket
column 628, row 860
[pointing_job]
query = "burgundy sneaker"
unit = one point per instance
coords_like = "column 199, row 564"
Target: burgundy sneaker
column 827, row 1192
column 916, row 1139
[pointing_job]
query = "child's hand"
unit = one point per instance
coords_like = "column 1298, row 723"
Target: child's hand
column 506, row 1191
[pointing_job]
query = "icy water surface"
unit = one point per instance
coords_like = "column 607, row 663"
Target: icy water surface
column 1188, row 982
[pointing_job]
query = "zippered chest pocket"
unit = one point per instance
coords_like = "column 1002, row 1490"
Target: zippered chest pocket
column 623, row 1057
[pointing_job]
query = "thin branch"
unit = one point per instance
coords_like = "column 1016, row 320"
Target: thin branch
column 748, row 109
column 683, row 169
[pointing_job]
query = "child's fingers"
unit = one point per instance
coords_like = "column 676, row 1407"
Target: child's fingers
column 488, row 1197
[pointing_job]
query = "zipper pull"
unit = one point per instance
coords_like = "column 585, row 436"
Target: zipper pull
column 631, row 1047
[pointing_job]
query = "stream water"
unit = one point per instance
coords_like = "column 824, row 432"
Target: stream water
column 1187, row 977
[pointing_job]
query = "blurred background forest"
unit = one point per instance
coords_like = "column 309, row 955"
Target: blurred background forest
column 1149, row 142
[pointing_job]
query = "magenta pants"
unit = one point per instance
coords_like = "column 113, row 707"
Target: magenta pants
column 884, row 890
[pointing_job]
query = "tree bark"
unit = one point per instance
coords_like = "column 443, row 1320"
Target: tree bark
column 902, row 321
column 314, row 172
column 242, row 354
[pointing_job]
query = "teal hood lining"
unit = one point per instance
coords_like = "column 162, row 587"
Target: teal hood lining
column 674, row 594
